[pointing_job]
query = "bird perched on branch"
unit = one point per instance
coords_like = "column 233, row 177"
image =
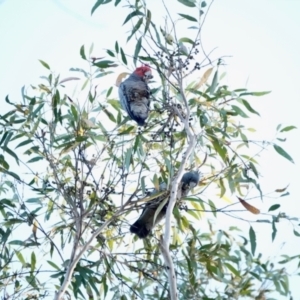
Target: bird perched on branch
column 134, row 94
column 147, row 221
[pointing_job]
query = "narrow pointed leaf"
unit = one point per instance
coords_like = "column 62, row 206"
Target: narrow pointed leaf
column 82, row 52
column 252, row 240
column 239, row 111
column 274, row 207
column 20, row 257
column 44, row 64
column 123, row 57
column 188, row 3
column 274, row 230
column 96, row 5
column 288, row 128
column 283, row 153
column 134, row 30
column 248, row 106
column 148, row 20
column 133, row 14
column 188, row 17
column 186, row 40
column 137, row 50
column 33, row 261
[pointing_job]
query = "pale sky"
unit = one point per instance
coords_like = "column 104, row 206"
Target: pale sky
column 262, row 38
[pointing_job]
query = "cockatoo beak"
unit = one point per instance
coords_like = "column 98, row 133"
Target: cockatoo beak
column 148, row 75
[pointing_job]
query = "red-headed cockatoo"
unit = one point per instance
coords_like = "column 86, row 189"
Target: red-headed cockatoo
column 134, row 94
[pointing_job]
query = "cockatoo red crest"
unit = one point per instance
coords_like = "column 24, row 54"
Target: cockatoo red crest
column 144, row 71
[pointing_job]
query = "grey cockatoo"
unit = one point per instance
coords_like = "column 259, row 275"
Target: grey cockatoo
column 145, row 223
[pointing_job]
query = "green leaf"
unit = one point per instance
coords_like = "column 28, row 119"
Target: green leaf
column 85, row 84
column 34, row 113
column 74, row 112
column 196, row 215
column 283, row 153
column 105, row 64
column 186, row 40
column 133, row 14
column 33, row 261
column 34, row 200
column 278, row 127
column 239, row 111
column 20, row 258
column 105, row 286
column 221, row 150
column 288, row 128
column 145, row 58
column 252, row 240
column 284, row 281
column 35, row 159
column 96, row 5
column 44, row 64
column 212, row 207
column 148, row 20
column 223, row 189
column 13, row 221
column 248, row 106
column 10, row 173
column 127, row 130
column 110, row 53
column 203, row 4
column 117, row 47
column 91, row 49
column 137, row 50
column 128, row 158
column 102, row 74
column 135, row 29
column 253, row 168
column 188, row 17
column 255, row 93
column 10, row 152
column 156, row 33
column 3, row 162
column 233, row 270
column 296, row 233
column 274, row 207
column 274, row 230
column 110, row 115
column 188, row 3
column 285, row 194
column 17, row 243
column 109, row 92
column 214, row 83
column 115, row 104
column 123, row 57
column 117, row 2
column 4, row 137
column 8, row 138
column 53, row 265
column 79, row 70
column 82, row 52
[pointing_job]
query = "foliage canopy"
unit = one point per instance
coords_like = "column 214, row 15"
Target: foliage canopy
column 76, row 170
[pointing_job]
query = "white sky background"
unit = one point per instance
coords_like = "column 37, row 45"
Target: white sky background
column 263, row 38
